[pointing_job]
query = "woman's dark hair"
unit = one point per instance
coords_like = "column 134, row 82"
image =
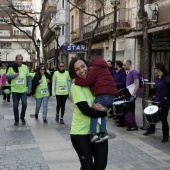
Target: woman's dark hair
column 71, row 66
column 161, row 66
column 38, row 74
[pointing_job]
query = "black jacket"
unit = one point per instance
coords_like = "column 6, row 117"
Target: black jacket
column 37, row 77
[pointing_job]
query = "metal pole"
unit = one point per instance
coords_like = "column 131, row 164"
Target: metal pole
column 145, row 58
column 57, row 53
column 114, row 31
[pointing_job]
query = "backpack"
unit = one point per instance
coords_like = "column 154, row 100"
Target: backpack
column 141, row 81
column 3, row 79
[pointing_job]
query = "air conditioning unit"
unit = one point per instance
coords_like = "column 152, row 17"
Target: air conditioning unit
column 120, row 46
column 152, row 12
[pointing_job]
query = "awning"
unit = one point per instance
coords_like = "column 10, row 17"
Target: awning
column 152, row 30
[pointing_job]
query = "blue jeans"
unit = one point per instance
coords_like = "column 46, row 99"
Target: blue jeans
column 105, row 100
column 45, row 104
column 16, row 98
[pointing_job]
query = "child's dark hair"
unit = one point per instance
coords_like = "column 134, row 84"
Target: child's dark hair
column 71, row 66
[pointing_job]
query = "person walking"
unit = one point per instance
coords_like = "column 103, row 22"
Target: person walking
column 21, row 84
column 41, row 91
column 162, row 95
column 32, row 73
column 60, row 88
column 92, row 156
column 132, row 92
column 6, row 96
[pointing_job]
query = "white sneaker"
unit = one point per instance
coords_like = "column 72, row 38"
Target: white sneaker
column 93, row 137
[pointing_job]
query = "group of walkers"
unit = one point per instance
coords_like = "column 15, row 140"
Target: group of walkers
column 37, row 84
column 94, row 88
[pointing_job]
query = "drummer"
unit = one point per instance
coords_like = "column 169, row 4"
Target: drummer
column 162, row 84
column 132, row 84
column 120, row 80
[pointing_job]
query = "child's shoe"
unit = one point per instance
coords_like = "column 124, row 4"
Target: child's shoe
column 102, row 137
column 93, row 137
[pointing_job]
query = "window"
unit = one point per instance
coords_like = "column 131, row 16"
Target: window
column 4, row 33
column 5, row 45
column 72, row 23
column 4, row 20
column 63, row 4
column 23, row 6
column 62, row 30
column 53, row 18
column 18, row 32
column 25, row 45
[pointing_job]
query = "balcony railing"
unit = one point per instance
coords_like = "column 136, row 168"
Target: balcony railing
column 51, row 53
column 106, row 25
column 77, row 34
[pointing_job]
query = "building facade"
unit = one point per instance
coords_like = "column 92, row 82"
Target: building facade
column 59, row 16
column 12, row 40
column 128, row 33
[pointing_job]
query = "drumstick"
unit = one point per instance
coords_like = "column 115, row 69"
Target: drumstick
column 150, row 101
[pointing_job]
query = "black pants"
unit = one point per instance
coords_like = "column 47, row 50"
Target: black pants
column 6, row 96
column 61, row 101
column 88, row 151
column 163, row 114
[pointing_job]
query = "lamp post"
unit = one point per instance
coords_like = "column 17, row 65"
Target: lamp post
column 33, row 58
column 57, row 34
column 114, row 3
column 38, row 52
column 7, row 56
column 0, row 59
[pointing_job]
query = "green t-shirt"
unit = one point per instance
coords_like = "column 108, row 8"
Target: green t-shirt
column 2, row 71
column 61, row 80
column 42, row 89
column 19, row 84
column 48, row 71
column 32, row 74
column 81, row 123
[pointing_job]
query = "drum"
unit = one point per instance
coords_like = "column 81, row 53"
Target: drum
column 119, row 107
column 151, row 114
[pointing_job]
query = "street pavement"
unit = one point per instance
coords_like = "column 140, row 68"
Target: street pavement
column 39, row 146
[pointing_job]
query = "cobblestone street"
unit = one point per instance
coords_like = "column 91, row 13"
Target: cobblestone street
column 37, row 146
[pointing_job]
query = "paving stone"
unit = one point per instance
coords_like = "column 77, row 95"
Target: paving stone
column 16, row 137
column 23, row 159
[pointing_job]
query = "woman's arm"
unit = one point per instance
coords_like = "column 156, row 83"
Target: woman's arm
column 89, row 111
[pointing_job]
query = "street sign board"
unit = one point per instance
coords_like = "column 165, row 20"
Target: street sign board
column 73, row 48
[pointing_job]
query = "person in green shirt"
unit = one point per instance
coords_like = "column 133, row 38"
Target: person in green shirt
column 60, row 88
column 84, row 109
column 41, row 91
column 32, row 73
column 21, row 84
column 6, row 86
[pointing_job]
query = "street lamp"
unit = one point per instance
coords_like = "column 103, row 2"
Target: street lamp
column 114, row 3
column 57, row 34
column 38, row 52
column 0, row 59
column 33, row 58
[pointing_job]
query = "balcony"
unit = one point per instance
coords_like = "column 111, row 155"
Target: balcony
column 77, row 35
column 51, row 53
column 106, row 25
